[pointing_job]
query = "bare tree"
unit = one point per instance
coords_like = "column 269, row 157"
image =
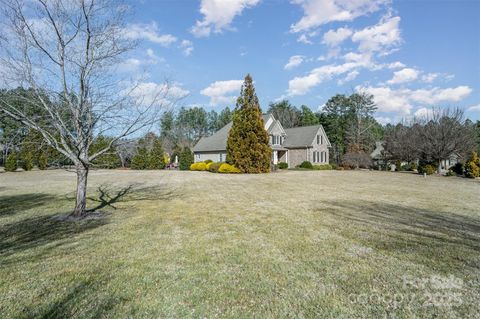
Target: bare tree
column 401, row 142
column 443, row 133
column 65, row 52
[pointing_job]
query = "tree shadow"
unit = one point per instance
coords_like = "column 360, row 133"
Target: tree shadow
column 14, row 204
column 84, row 293
column 108, row 196
column 407, row 229
column 54, row 230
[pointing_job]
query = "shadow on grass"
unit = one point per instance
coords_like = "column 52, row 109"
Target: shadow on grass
column 37, row 231
column 410, row 229
column 13, row 204
column 82, row 300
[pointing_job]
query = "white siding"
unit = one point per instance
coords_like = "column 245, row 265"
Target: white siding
column 214, row 156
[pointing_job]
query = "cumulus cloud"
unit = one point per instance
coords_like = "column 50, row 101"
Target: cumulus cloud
column 474, row 108
column 423, row 112
column 380, row 38
column 187, row 47
column 319, row 12
column 333, row 38
column 404, row 75
column 350, row 77
column 396, row 65
column 150, row 32
column 218, row 15
column 134, row 64
column 402, row 101
column 294, row 61
column 220, row 92
column 148, row 93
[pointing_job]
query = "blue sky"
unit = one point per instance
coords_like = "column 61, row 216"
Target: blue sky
column 410, row 54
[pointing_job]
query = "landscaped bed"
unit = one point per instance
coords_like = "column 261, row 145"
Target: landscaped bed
column 176, row 244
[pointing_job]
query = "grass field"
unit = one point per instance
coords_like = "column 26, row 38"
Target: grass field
column 302, row 244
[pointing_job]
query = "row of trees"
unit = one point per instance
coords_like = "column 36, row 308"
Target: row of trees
column 438, row 136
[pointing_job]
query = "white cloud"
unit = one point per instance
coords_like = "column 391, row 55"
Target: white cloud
column 380, row 38
column 218, row 15
column 334, row 37
column 129, row 65
column 350, row 77
column 383, row 119
column 423, row 112
column 429, row 77
column 396, row 65
column 148, row 93
column 404, row 75
column 294, row 61
column 301, row 85
column 220, row 92
column 148, row 32
column 474, row 108
column 319, row 12
column 304, row 39
column 187, row 47
column 402, row 101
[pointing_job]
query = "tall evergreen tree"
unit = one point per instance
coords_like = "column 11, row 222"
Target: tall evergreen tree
column 247, row 145
column 156, row 155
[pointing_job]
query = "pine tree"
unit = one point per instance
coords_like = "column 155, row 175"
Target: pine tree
column 185, row 159
column 141, row 159
column 43, row 161
column 11, row 162
column 27, row 161
column 247, row 145
column 156, row 155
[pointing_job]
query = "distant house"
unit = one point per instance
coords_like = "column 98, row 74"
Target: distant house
column 292, row 146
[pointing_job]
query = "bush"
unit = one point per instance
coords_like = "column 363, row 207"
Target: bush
column 208, row 161
column 140, row 160
column 334, row 166
column 357, row 160
column 227, row 168
column 42, row 161
column 200, row 166
column 185, row 159
column 305, row 164
column 429, row 169
column 156, row 157
column 11, row 162
column 472, row 166
column 27, row 161
column 213, row 167
column 450, row 173
column 413, row 166
column 398, row 166
column 323, row 167
column 458, row 168
column 207, row 165
column 282, row 165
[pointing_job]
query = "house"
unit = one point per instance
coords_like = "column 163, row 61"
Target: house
column 292, row 145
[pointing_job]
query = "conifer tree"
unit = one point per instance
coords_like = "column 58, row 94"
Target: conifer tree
column 247, row 145
column 156, row 155
column 11, row 162
column 185, row 159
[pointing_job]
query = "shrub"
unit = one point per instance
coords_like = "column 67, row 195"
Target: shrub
column 11, row 162
column 140, row 160
column 282, row 165
column 213, row 167
column 200, row 166
column 429, row 169
column 472, row 166
column 27, row 161
column 450, row 173
column 42, row 161
column 306, row 164
column 208, row 161
column 413, row 166
column 323, row 167
column 458, row 168
column 207, row 165
column 356, row 160
column 156, row 156
column 185, row 159
column 227, row 168
column 334, row 166
column 398, row 166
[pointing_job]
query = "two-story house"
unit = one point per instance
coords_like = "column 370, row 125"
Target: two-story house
column 292, row 145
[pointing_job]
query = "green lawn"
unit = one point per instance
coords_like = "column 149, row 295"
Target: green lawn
column 335, row 244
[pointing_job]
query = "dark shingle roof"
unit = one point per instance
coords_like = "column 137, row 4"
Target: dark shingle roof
column 300, row 136
column 217, row 141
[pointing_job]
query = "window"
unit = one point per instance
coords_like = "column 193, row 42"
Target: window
column 221, row 157
column 321, row 139
column 321, row 157
column 277, row 140
column 318, row 139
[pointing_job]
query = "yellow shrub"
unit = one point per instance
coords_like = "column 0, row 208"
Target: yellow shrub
column 227, row 168
column 200, row 166
column 207, row 166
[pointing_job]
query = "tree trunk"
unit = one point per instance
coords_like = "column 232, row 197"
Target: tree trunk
column 439, row 169
column 81, row 199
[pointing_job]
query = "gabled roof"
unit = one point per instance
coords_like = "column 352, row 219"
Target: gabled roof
column 218, row 141
column 302, row 136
